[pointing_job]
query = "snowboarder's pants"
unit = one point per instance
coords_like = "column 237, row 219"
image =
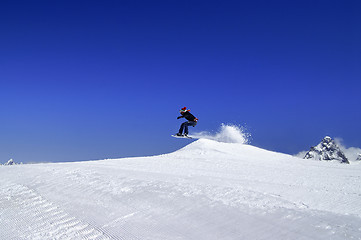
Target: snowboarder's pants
column 185, row 126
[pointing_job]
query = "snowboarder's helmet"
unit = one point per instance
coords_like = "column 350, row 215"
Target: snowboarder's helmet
column 183, row 110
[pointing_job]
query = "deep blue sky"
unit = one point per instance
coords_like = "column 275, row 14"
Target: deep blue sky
column 103, row 79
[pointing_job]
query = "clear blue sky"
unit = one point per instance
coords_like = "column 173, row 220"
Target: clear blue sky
column 103, row 79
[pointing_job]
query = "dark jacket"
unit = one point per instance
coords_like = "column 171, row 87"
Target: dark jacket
column 189, row 116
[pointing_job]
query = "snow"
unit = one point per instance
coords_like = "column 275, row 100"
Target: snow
column 352, row 153
column 206, row 190
column 227, row 133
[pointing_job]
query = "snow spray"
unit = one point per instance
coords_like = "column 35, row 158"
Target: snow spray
column 228, row 134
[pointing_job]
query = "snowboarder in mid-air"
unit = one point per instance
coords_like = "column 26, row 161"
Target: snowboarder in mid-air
column 192, row 121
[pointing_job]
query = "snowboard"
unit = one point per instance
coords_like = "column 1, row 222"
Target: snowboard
column 182, row 136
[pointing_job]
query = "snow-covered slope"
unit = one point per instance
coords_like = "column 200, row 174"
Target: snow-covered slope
column 206, row 190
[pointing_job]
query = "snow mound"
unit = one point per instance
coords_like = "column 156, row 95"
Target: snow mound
column 202, row 149
column 227, row 134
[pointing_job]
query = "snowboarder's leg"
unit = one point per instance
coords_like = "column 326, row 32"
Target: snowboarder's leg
column 189, row 123
column 186, row 128
column 181, row 128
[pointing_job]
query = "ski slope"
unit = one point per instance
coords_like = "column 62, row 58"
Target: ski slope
column 206, row 190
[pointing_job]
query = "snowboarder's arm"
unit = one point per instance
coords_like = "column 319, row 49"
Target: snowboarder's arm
column 180, row 117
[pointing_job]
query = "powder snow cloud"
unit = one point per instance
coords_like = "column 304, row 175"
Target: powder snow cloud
column 351, row 153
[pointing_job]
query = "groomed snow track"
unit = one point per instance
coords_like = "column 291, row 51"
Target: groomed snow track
column 207, row 190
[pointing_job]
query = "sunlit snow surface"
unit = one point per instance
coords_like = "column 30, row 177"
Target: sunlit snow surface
column 207, row 190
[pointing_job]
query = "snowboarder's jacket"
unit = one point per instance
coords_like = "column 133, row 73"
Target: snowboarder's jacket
column 189, row 116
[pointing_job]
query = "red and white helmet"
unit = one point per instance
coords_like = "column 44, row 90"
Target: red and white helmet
column 183, row 110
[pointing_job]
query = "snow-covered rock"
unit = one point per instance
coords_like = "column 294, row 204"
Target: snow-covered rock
column 327, row 150
column 359, row 157
column 10, row 162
